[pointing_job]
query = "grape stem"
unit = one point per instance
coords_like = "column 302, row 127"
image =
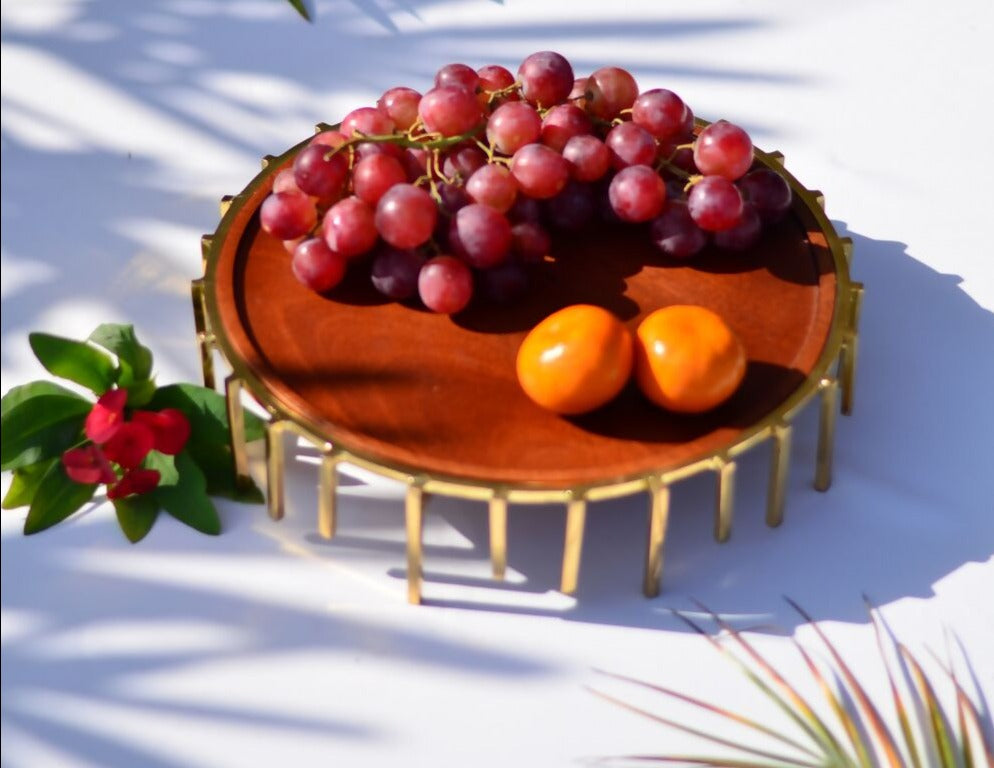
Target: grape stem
column 406, row 141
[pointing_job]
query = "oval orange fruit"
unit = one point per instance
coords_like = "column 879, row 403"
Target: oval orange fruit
column 687, row 359
column 575, row 360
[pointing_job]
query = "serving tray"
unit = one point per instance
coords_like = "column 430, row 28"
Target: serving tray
column 433, row 400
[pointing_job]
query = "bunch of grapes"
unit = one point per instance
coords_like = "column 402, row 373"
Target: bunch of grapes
column 455, row 191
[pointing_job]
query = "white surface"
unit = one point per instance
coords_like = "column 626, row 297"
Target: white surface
column 122, row 125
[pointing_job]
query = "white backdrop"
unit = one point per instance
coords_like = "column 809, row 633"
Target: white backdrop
column 122, row 125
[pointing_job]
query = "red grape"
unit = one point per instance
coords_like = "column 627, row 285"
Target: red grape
column 767, row 190
column 480, row 235
column 512, row 126
column 723, row 149
column 405, row 216
column 462, row 162
column 416, row 163
column 525, row 209
column 687, row 134
column 333, row 139
column 684, row 159
column 573, row 208
column 369, row 121
column 453, row 197
column 291, row 245
column 400, row 105
column 610, row 90
column 675, row 233
column 317, row 266
column 540, row 172
column 546, row 78
column 374, row 175
column 493, row 185
column 395, row 272
column 458, row 75
column 319, row 173
column 505, row 283
column 744, row 234
column 445, row 285
column 630, row 144
column 450, row 110
column 715, row 204
column 637, row 193
column 285, row 182
column 588, row 158
column 578, row 95
column 494, row 77
column 366, row 149
column 529, row 242
column 286, row 215
column 662, row 113
column 349, row 227
column 563, row 122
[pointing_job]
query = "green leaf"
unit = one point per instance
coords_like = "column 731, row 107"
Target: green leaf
column 74, row 360
column 134, row 360
column 209, row 445
column 301, row 8
column 168, row 474
column 56, row 499
column 39, row 421
column 121, row 340
column 136, row 515
column 188, row 501
column 25, row 484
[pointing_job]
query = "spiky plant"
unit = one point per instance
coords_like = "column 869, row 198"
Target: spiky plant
column 857, row 735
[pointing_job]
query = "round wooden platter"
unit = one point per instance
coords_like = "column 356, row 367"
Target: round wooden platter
column 433, row 400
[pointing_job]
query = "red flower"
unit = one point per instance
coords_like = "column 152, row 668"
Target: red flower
column 87, row 465
column 170, row 428
column 106, row 416
column 130, row 444
column 135, row 481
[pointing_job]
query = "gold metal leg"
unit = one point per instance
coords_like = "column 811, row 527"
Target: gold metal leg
column 204, row 341
column 236, row 430
column 576, row 516
column 327, row 496
column 659, row 512
column 850, row 350
column 779, row 467
column 725, row 501
column 275, row 468
column 498, row 535
column 826, row 433
column 414, row 516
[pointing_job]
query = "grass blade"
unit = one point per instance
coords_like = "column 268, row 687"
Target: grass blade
column 301, row 8
column 795, row 706
column 902, row 710
column 873, row 716
column 970, row 719
column 734, row 716
column 852, row 731
column 717, row 762
column 940, row 730
column 779, row 759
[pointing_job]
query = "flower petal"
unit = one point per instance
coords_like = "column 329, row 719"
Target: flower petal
column 130, row 444
column 170, row 427
column 106, row 416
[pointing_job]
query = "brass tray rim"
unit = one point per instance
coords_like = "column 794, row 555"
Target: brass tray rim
column 845, row 305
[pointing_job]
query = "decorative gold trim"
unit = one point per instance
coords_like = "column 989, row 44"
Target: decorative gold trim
column 840, row 352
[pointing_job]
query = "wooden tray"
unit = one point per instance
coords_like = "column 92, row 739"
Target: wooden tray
column 434, row 401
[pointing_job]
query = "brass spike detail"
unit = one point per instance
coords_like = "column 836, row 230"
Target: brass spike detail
column 576, row 517
column 275, row 467
column 777, row 155
column 819, row 197
column 826, row 433
column 266, row 160
column 724, row 499
column 225, row 204
column 414, row 521
column 659, row 510
column 498, row 533
column 847, row 249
